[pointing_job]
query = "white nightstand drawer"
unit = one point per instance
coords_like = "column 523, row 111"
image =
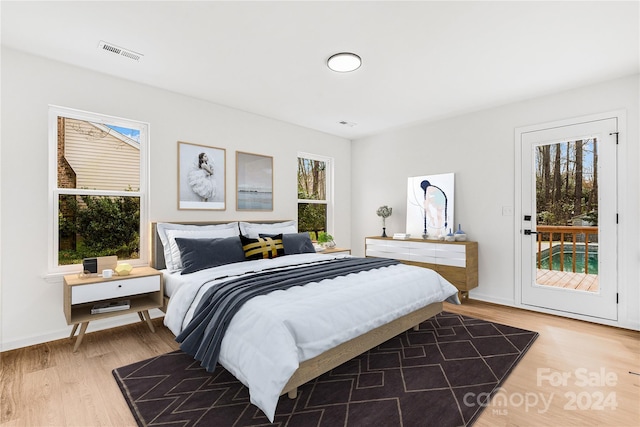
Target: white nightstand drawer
column 114, row 289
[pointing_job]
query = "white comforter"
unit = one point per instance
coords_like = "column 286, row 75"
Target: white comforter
column 271, row 334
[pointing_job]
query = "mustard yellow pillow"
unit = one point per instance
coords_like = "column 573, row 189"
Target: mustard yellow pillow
column 262, row 247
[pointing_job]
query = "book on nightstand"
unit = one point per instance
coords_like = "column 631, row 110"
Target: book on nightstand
column 106, row 307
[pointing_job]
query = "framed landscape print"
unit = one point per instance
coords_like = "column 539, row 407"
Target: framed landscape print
column 201, row 177
column 430, row 201
column 254, row 182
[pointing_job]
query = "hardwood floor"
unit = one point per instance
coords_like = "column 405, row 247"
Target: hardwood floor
column 49, row 385
column 600, row 366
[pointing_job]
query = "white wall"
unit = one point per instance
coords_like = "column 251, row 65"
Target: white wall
column 31, row 307
column 370, row 172
column 479, row 148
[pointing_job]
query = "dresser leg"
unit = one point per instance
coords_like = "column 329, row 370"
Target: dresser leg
column 83, row 329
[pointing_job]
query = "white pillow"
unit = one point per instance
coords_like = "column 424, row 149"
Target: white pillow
column 252, row 230
column 171, row 252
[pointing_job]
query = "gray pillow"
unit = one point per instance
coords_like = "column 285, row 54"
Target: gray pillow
column 295, row 243
column 198, row 254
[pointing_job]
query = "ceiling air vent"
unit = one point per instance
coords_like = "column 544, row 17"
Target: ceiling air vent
column 109, row 47
column 346, row 123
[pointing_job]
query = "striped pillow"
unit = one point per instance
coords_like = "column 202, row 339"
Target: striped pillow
column 262, row 247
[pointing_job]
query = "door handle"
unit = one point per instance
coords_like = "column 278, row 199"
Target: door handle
column 529, row 232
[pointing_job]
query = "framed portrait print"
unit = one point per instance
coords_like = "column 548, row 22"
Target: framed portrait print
column 201, row 177
column 254, row 182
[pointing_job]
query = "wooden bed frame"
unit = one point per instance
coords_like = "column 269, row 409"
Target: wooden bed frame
column 313, row 368
column 332, row 358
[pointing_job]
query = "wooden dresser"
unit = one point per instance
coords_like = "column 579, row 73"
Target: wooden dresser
column 455, row 261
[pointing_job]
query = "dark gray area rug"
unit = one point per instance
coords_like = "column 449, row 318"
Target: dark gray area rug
column 441, row 375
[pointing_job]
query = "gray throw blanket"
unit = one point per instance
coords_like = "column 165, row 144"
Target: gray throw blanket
column 203, row 335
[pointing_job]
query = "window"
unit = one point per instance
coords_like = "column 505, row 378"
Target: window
column 98, row 188
column 315, row 205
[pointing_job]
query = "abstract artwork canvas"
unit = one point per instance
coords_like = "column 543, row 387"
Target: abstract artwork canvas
column 430, row 202
column 201, row 177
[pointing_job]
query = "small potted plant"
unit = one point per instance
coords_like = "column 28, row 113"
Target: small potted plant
column 326, row 240
column 384, row 212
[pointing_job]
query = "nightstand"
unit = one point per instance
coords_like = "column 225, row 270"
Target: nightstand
column 336, row 251
column 142, row 287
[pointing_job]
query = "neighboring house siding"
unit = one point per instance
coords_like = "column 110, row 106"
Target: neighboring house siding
column 100, row 157
column 66, row 175
column 66, row 179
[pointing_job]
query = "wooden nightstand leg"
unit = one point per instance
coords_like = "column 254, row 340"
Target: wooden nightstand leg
column 142, row 319
column 73, row 331
column 148, row 319
column 83, row 329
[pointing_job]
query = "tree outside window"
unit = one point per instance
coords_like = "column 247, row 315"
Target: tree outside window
column 314, row 174
column 567, row 182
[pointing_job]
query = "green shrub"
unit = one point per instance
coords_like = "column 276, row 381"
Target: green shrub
column 103, row 226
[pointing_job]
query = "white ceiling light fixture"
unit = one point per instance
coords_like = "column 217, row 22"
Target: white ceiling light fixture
column 344, row 62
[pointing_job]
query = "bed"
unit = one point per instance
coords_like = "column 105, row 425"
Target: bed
column 280, row 340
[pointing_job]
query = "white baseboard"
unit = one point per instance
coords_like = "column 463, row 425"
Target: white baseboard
column 96, row 325
column 617, row 323
column 488, row 298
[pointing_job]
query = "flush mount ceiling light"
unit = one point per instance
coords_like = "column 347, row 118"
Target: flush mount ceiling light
column 344, row 62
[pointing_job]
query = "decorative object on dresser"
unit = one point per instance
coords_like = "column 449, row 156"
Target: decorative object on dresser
column 201, row 177
column 92, row 298
column 455, row 261
column 430, row 205
column 384, row 212
column 254, row 182
column 401, row 236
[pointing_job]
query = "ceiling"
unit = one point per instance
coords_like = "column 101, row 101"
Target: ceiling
column 422, row 60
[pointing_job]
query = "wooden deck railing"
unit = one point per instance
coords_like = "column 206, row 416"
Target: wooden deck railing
column 564, row 232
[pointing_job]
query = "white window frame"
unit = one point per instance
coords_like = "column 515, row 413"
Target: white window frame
column 54, row 192
column 329, row 201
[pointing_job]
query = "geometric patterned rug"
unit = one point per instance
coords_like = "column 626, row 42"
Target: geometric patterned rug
column 441, row 375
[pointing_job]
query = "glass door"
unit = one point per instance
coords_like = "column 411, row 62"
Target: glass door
column 568, row 222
